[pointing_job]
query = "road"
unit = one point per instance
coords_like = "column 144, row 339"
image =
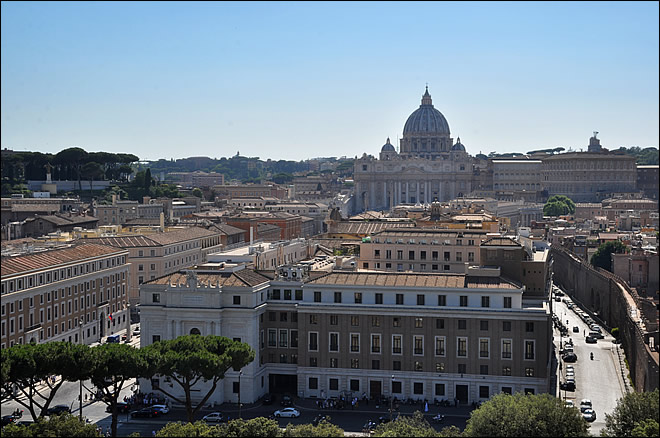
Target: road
column 598, row 380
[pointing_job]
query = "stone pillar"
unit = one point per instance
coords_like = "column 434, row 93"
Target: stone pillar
column 417, row 200
column 407, row 198
column 384, row 203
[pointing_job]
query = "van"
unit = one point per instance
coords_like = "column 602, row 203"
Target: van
column 114, row 339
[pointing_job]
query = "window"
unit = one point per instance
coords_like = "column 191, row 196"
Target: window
column 375, row 344
column 287, row 294
column 506, row 326
column 396, row 322
column 355, row 321
column 283, row 358
column 483, row 325
column 313, row 319
column 529, row 372
column 396, row 365
column 484, row 391
column 272, row 335
column 299, row 294
column 358, row 297
column 418, row 342
column 375, row 364
column 507, row 302
column 313, row 362
column 154, row 338
column 506, row 371
column 442, row 300
column 237, row 299
column 155, row 298
column 485, row 301
column 418, row 388
column 334, row 362
column 355, row 363
column 337, row 297
column 440, row 345
column 334, row 342
column 379, row 298
column 419, row 322
column 313, row 341
column 396, row 344
column 375, row 321
column 529, row 327
column 317, row 297
column 484, row 348
column 284, row 338
column 470, row 256
column 294, row 339
column 462, row 324
column 334, row 319
column 463, row 301
column 411, row 255
column 283, row 317
column 420, row 300
column 461, row 347
column 355, row 342
column 529, row 350
column 355, row 385
column 313, row 383
column 439, row 323
column 333, row 384
column 440, row 367
column 440, row 389
column 271, row 316
column 506, row 348
column 399, row 298
column 462, row 368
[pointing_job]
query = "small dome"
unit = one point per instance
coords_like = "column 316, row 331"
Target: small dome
column 458, row 146
column 387, row 147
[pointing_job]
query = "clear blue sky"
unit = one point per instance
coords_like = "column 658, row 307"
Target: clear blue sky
column 302, row 80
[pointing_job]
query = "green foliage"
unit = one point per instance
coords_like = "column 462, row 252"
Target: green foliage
column 282, row 178
column 198, row 192
column 644, row 156
column 191, row 358
column 406, row 426
column 520, row 415
column 323, row 429
column 256, row 427
column 646, row 428
column 631, row 414
column 64, row 425
column 602, row 257
column 615, row 332
column 198, row 429
column 558, row 205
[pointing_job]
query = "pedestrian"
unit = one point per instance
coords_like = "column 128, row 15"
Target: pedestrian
column 153, row 433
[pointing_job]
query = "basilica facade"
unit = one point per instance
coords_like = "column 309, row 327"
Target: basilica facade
column 429, row 165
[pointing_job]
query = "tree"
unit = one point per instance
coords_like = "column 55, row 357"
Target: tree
column 198, row 192
column 255, row 427
column 92, row 171
column 190, row 358
column 28, row 364
column 73, row 158
column 147, row 179
column 406, row 426
column 198, row 429
column 603, row 255
column 631, row 415
column 525, row 415
column 323, row 429
column 114, row 365
column 64, row 425
column 558, row 205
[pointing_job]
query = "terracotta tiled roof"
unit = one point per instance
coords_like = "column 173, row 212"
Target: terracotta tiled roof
column 412, row 280
column 56, row 257
column 245, row 277
column 366, row 228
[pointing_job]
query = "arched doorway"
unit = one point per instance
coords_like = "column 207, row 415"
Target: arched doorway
column 195, row 331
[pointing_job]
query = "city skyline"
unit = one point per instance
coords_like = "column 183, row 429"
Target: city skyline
column 298, row 81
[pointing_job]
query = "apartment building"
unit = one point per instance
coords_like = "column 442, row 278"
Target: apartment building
column 19, row 209
column 77, row 294
column 457, row 336
column 154, row 255
column 421, row 250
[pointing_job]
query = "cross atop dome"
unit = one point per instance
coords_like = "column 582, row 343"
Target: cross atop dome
column 426, row 98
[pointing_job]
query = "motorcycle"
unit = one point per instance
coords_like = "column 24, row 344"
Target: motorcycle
column 439, row 418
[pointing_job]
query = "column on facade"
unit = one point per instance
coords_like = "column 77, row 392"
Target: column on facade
column 372, row 195
column 427, row 189
column 180, row 328
column 384, row 203
column 418, row 191
column 407, row 198
column 398, row 192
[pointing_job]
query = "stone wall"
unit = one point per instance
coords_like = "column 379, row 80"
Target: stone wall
column 604, row 295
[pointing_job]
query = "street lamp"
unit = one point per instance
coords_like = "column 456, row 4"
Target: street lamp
column 240, row 373
column 391, row 396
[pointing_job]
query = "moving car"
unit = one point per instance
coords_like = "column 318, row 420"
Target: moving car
column 268, row 398
column 590, row 340
column 215, row 417
column 287, row 412
column 162, row 409
column 319, row 418
column 145, row 412
column 567, row 386
column 121, row 407
column 58, row 409
column 589, row 415
column 286, row 400
column 576, row 329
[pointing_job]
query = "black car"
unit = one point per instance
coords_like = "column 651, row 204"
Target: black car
column 286, row 401
column 58, row 409
column 320, row 418
column 570, row 357
column 268, row 399
column 9, row 419
column 590, row 340
column 567, row 386
column 145, row 412
column 121, row 407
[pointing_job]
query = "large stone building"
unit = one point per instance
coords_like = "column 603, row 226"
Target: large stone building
column 317, row 334
column 428, row 166
column 64, row 295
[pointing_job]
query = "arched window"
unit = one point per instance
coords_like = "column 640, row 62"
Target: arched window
column 195, row 331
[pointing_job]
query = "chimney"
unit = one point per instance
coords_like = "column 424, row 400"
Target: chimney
column 146, row 199
column 251, row 234
column 162, row 222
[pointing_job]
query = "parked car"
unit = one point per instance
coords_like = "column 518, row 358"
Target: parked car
column 589, row 415
column 215, row 417
column 585, row 404
column 121, row 407
column 136, row 331
column 145, row 412
column 268, row 398
column 58, row 409
column 570, row 374
column 567, row 386
column 570, row 357
column 590, row 340
column 286, row 400
column 576, row 329
column 287, row 412
column 162, row 409
column 569, row 403
column 597, row 335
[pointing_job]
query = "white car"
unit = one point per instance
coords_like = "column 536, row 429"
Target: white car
column 215, row 417
column 287, row 412
column 585, row 404
column 163, row 409
column 569, row 403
